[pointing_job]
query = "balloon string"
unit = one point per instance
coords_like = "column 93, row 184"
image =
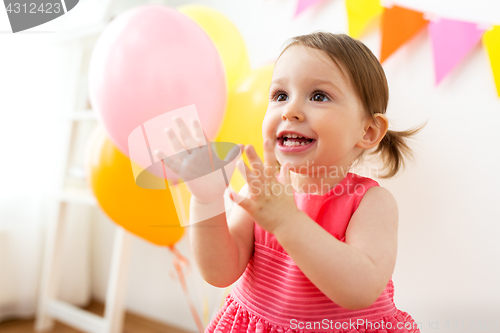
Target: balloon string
column 179, row 260
column 164, row 173
column 210, row 153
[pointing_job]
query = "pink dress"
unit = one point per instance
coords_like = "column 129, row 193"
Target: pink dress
column 273, row 295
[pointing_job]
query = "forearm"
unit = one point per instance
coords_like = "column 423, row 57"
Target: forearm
column 343, row 273
column 215, row 250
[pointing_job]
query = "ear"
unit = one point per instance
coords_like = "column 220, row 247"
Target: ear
column 375, row 131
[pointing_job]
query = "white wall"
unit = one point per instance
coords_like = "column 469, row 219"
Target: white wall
column 448, row 266
column 34, row 93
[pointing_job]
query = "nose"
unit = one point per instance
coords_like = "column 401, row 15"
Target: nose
column 293, row 111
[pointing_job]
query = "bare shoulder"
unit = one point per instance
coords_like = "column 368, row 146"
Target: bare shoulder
column 373, row 229
column 378, row 209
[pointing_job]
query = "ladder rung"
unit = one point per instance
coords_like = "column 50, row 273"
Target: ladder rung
column 76, row 317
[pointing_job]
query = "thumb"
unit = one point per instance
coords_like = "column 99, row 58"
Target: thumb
column 285, row 174
column 242, row 201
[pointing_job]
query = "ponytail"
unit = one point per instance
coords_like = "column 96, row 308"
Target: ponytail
column 394, row 149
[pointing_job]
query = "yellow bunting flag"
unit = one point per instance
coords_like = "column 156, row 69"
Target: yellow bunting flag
column 360, row 13
column 491, row 40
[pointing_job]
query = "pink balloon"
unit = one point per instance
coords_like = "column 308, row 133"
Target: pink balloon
column 151, row 60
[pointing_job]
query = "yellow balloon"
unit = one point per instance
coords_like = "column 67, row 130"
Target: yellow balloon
column 149, row 214
column 225, row 37
column 247, row 105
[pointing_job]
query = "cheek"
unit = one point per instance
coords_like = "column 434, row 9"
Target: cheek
column 335, row 138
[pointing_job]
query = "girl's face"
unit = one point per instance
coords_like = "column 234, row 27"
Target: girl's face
column 311, row 97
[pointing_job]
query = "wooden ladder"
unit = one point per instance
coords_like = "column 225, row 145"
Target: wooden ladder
column 49, row 307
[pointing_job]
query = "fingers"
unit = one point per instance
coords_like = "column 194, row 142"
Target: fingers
column 185, row 134
column 255, row 162
column 159, row 154
column 243, row 202
column 241, row 169
column 252, row 177
column 199, row 135
column 244, row 169
column 270, row 165
column 173, row 141
column 171, row 163
column 285, row 175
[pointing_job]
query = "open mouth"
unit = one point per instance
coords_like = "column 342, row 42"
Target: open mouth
column 294, row 140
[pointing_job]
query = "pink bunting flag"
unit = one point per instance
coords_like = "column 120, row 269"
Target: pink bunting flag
column 451, row 41
column 303, row 5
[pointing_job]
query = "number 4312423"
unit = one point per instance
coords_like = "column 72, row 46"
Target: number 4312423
column 33, row 8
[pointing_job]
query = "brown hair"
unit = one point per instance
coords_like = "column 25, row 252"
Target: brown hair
column 369, row 81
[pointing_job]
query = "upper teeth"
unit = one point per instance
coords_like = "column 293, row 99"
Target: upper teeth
column 292, row 136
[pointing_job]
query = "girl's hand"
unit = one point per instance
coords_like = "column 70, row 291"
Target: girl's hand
column 194, row 161
column 270, row 202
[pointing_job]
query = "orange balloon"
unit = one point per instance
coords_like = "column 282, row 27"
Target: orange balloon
column 149, row 214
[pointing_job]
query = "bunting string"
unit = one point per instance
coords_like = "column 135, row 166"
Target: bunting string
column 451, row 40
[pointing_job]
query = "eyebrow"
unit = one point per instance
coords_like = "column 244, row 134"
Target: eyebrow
column 313, row 81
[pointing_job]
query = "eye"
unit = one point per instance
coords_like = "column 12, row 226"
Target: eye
column 279, row 96
column 320, row 97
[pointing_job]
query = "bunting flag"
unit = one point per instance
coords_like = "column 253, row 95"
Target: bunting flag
column 399, row 25
column 303, row 5
column 491, row 40
column 451, row 41
column 360, row 13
